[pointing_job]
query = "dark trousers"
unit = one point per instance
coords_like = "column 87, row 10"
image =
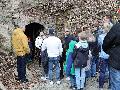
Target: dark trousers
column 103, row 66
column 73, row 80
column 61, row 67
column 21, row 67
column 44, row 60
column 45, row 67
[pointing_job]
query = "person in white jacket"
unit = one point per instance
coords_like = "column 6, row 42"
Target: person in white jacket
column 39, row 40
column 38, row 44
column 42, row 55
column 54, row 50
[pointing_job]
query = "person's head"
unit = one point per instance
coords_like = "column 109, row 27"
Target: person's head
column 20, row 28
column 106, row 27
column 119, row 21
column 41, row 34
column 74, row 32
column 16, row 26
column 67, row 31
column 82, row 36
column 106, row 19
column 51, row 31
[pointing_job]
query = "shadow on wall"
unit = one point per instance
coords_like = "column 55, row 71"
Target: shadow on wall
column 32, row 30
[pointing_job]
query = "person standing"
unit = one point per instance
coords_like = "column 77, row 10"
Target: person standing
column 70, row 70
column 68, row 37
column 21, row 48
column 54, row 50
column 38, row 44
column 111, row 45
column 103, row 57
column 80, row 57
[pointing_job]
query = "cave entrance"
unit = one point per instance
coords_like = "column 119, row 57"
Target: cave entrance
column 32, row 30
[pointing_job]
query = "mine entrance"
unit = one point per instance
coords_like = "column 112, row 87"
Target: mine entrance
column 32, row 30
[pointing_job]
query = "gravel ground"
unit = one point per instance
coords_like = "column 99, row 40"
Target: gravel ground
column 91, row 83
column 35, row 83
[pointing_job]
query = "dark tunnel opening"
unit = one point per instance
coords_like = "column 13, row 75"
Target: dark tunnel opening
column 32, row 30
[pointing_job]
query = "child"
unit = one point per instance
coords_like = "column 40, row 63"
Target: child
column 80, row 57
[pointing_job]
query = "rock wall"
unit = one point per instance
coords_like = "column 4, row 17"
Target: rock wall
column 52, row 13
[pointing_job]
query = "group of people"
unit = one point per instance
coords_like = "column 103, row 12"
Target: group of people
column 77, row 57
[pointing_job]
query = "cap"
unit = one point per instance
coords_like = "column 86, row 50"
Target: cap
column 51, row 31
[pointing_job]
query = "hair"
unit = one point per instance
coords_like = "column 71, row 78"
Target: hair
column 106, row 27
column 51, row 31
column 119, row 21
column 82, row 35
column 16, row 26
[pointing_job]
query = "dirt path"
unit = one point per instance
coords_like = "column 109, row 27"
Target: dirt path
column 35, row 83
column 91, row 83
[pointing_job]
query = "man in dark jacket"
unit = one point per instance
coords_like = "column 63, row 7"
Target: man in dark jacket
column 68, row 38
column 111, row 45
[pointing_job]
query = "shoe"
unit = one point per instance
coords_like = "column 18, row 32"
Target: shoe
column 68, row 78
column 71, row 87
column 17, row 79
column 62, row 76
column 100, row 88
column 24, row 81
column 51, row 82
column 81, row 88
column 44, row 78
column 74, row 88
column 58, row 82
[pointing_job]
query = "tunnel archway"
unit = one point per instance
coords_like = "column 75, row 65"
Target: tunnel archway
column 32, row 30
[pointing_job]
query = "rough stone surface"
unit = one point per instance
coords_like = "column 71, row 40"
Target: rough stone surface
column 59, row 14
column 53, row 13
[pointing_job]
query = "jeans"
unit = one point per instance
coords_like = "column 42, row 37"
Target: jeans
column 88, row 73
column 80, row 77
column 21, row 67
column 103, row 66
column 93, row 66
column 54, row 61
column 69, row 64
column 73, row 80
column 114, row 79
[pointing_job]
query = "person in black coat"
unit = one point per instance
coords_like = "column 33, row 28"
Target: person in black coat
column 111, row 45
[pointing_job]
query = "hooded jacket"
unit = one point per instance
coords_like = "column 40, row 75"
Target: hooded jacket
column 80, row 54
column 20, row 42
column 69, row 60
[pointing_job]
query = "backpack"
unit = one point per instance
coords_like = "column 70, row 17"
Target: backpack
column 80, row 57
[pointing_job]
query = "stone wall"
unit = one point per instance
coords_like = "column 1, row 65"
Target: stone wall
column 52, row 13
column 12, row 13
